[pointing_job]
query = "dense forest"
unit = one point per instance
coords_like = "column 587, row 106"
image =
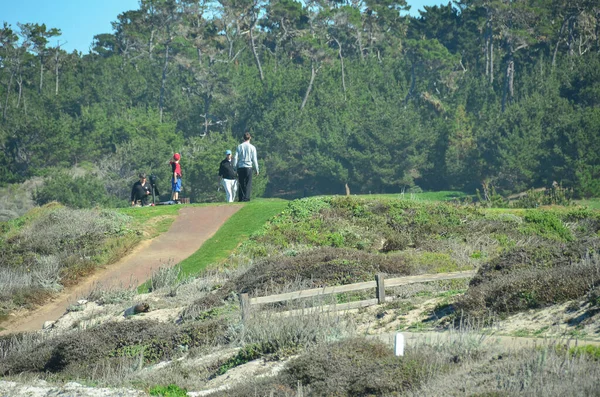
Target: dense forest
column 502, row 93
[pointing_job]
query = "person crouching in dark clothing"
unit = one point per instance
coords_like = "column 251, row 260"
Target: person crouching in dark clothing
column 140, row 191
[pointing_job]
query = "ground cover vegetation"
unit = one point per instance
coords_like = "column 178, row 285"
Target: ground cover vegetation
column 335, row 93
column 238, row 228
column 53, row 246
column 525, row 259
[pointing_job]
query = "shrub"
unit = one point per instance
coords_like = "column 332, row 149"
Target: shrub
column 536, row 198
column 76, row 192
column 509, row 289
column 167, row 277
column 545, row 224
column 168, row 391
column 590, row 351
column 319, row 267
column 72, row 354
column 111, row 295
column 355, row 367
column 303, row 208
column 206, row 303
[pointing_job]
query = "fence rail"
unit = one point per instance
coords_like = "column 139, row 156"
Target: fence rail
column 379, row 284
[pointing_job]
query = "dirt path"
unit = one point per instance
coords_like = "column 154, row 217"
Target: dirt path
column 189, row 231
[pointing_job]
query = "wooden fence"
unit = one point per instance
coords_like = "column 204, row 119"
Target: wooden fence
column 380, row 284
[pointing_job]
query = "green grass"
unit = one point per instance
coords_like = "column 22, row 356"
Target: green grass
column 593, row 203
column 238, row 228
column 154, row 220
column 424, row 196
column 142, row 215
column 168, row 391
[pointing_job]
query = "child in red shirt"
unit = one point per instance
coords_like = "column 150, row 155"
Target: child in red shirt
column 176, row 178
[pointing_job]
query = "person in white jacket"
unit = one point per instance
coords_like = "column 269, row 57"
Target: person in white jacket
column 228, row 177
column 245, row 158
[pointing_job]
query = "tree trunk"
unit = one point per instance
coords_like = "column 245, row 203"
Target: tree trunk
column 342, row 65
column 8, row 88
column 253, row 46
column 571, row 36
column 41, row 74
column 412, row 83
column 487, row 53
column 491, row 60
column 488, row 45
column 230, row 43
column 507, row 94
column 56, row 72
column 150, row 44
column 163, row 83
column 360, row 44
column 207, row 103
column 558, row 40
column 20, row 83
column 313, row 74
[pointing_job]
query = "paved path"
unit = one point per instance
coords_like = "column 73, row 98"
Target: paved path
column 189, row 231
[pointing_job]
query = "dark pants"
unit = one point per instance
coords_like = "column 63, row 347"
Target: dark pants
column 245, row 183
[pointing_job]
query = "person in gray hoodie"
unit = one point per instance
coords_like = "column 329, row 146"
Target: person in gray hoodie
column 245, row 158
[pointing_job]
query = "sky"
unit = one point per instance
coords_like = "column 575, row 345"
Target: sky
column 80, row 20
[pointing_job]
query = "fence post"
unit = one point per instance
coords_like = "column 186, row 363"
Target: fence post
column 399, row 345
column 379, row 279
column 244, row 305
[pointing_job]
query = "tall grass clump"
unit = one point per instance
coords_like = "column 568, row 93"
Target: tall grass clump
column 545, row 370
column 266, row 334
column 104, row 295
column 167, row 277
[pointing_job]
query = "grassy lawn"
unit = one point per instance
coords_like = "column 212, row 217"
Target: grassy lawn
column 238, row 228
column 425, row 196
column 152, row 220
column 593, row 203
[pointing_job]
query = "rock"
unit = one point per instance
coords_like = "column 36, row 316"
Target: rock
column 48, row 325
column 137, row 309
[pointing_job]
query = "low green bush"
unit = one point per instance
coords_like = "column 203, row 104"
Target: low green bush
column 545, row 224
column 589, row 351
column 245, row 355
column 168, row 391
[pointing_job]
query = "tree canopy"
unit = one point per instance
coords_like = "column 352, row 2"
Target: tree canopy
column 334, row 92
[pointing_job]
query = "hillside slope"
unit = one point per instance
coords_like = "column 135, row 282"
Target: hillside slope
column 192, row 227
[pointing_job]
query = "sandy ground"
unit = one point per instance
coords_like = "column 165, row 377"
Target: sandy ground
column 189, row 231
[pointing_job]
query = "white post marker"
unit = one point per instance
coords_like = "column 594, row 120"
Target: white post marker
column 399, row 345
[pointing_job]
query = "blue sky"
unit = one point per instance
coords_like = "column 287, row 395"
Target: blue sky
column 81, row 20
